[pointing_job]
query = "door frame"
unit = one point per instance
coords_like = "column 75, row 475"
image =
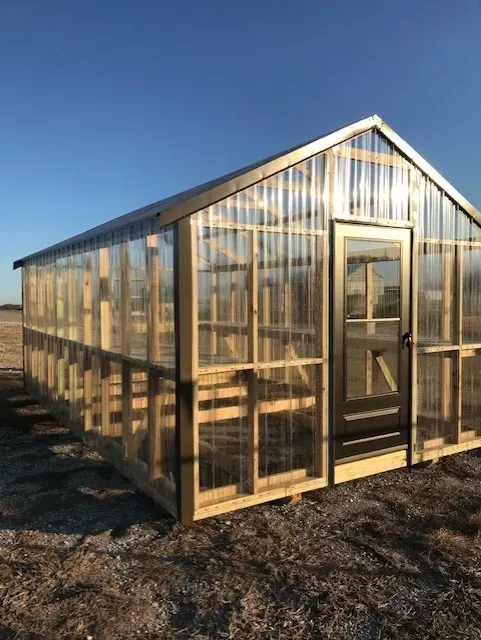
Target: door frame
column 408, row 272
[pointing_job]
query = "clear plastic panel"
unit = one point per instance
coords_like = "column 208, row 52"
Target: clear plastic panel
column 223, row 431
column 137, row 264
column 436, row 398
column 289, row 296
column 288, row 413
column 471, row 394
column 371, row 179
column 224, row 256
column 436, row 294
column 472, row 295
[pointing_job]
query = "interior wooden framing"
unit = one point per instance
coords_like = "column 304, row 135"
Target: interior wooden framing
column 135, row 410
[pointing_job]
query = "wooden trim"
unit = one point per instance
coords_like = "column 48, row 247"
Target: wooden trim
column 369, row 466
column 87, row 304
column 127, row 410
column 438, row 348
column 458, row 402
column 253, row 356
column 445, row 450
column 243, row 501
column 105, row 301
column 125, row 300
column 187, row 349
column 155, row 440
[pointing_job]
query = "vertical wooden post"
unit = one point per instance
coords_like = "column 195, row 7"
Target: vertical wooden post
column 88, row 389
column 187, row 350
column 153, row 279
column 459, row 255
column 449, row 416
column 87, row 300
column 127, row 410
column 413, row 205
column 266, row 320
column 155, row 462
column 213, row 311
column 370, row 328
column 125, row 300
column 253, row 355
column 105, row 300
column 105, row 395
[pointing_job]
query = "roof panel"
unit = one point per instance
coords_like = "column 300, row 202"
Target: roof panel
column 187, row 202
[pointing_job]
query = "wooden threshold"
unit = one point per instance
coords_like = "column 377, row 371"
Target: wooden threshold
column 370, row 466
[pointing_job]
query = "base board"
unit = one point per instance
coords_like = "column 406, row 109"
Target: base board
column 369, row 466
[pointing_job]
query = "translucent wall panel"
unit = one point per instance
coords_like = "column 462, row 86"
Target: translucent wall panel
column 436, row 389
column 224, row 255
column 472, row 295
column 115, row 292
column 91, row 295
column 471, row 394
column 137, row 274
column 436, row 298
column 289, row 410
column 289, row 296
column 223, row 431
column 371, row 179
column 162, row 251
column 138, row 437
column 113, row 396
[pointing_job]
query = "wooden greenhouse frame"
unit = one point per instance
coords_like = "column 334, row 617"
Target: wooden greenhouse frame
column 307, row 320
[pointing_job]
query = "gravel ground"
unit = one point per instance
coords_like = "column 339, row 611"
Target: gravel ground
column 83, row 554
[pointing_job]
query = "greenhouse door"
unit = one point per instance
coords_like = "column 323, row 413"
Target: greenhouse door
column 371, row 340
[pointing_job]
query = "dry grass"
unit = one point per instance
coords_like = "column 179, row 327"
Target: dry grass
column 11, row 340
column 82, row 553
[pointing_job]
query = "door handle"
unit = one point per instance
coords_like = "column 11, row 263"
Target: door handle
column 407, row 340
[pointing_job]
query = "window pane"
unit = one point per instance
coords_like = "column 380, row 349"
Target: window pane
column 372, row 366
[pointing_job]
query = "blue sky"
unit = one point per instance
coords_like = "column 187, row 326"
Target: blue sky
column 108, row 105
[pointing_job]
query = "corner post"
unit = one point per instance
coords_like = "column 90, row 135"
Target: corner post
column 186, row 337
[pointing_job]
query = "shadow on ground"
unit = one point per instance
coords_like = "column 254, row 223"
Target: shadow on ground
column 50, row 481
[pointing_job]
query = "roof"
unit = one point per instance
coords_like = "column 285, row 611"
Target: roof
column 188, row 202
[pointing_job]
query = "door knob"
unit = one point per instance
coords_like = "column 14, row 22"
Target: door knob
column 407, row 340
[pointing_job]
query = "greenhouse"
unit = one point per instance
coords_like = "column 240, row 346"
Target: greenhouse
column 307, row 320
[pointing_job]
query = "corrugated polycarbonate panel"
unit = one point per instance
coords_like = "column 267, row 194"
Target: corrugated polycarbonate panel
column 223, row 446
column 436, row 297
column 471, row 394
column 224, row 256
column 472, row 295
column 288, row 414
column 371, row 180
column 436, row 398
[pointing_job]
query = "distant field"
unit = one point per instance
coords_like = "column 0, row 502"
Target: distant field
column 10, row 339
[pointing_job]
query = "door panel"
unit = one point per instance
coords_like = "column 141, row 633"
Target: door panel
column 371, row 368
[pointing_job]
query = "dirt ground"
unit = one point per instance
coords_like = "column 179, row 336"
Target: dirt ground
column 83, row 554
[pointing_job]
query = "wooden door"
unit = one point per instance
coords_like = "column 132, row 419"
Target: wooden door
column 371, row 340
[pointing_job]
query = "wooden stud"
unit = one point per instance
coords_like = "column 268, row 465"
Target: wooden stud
column 253, row 357
column 458, row 408
column 127, row 410
column 87, row 302
column 155, row 462
column 187, row 349
column 153, row 278
column 125, row 301
column 105, row 299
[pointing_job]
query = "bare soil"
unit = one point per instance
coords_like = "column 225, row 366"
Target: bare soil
column 83, row 554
